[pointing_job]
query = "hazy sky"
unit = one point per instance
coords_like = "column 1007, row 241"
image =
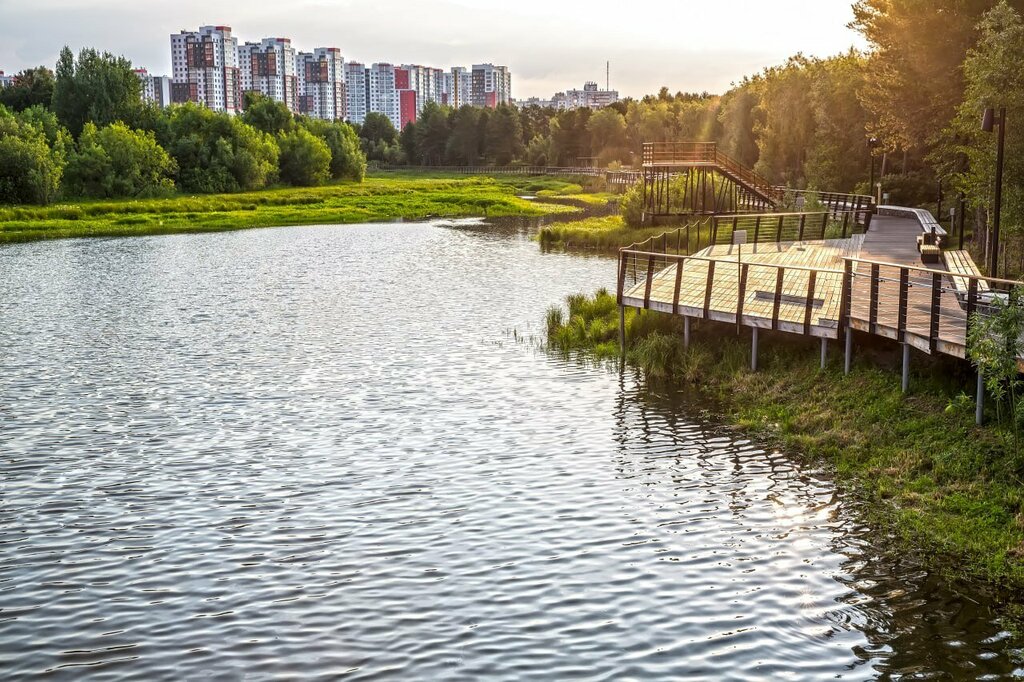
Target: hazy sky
column 550, row 45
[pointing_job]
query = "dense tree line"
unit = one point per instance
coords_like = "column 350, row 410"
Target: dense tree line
column 83, row 131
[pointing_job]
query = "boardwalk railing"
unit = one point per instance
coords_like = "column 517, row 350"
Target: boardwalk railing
column 501, row 170
column 762, row 295
column 833, row 201
column 917, row 306
column 693, row 154
column 760, row 228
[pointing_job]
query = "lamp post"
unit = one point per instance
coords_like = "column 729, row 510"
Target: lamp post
column 873, row 144
column 988, row 123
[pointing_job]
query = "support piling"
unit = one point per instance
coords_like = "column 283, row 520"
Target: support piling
column 849, row 350
column 906, row 367
column 622, row 330
column 686, row 332
column 753, row 350
column 979, row 410
column 824, row 352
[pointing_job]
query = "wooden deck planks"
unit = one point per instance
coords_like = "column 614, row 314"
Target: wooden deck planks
column 891, row 240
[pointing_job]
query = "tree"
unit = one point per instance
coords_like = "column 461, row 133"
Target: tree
column 738, row 120
column 305, row 158
column 31, row 87
column 504, row 138
column 97, row 87
column 116, row 161
column 607, row 129
column 786, row 121
column 464, row 138
column 993, row 78
column 30, row 168
column 379, row 138
column 267, row 115
column 347, row 159
column 570, row 139
column 407, row 143
column 216, row 152
column 432, row 132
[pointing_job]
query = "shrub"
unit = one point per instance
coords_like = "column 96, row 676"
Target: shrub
column 305, row 158
column 117, row 161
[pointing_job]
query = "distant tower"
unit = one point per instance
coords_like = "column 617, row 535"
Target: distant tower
column 608, row 75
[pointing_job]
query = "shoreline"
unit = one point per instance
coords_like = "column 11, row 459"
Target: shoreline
column 942, row 486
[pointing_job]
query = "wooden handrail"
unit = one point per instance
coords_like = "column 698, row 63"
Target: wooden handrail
column 1012, row 282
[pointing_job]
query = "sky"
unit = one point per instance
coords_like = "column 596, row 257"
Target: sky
column 688, row 45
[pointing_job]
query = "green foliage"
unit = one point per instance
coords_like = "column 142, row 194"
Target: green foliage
column 31, row 88
column 116, row 161
column 994, row 78
column 431, row 134
column 305, row 158
column 347, row 159
column 267, row 115
column 97, row 87
column 464, row 141
column 379, row 139
column 994, row 345
column 219, row 153
column 31, row 165
column 504, row 136
column 570, row 139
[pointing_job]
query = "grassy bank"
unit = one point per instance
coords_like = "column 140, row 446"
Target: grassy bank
column 945, row 486
column 384, row 197
column 605, row 233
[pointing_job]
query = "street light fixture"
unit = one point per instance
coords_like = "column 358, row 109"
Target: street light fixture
column 873, row 143
column 988, row 123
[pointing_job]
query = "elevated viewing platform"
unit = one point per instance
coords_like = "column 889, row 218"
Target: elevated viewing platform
column 822, row 275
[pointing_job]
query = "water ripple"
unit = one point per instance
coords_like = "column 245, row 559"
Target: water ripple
column 316, row 452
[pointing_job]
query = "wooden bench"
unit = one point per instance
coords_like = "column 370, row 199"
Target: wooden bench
column 930, row 253
column 962, row 267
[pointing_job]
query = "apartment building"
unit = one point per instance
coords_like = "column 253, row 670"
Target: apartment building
column 204, row 68
column 268, row 67
column 321, row 83
column 491, row 85
column 460, row 86
column 6, row 80
column 381, row 93
column 155, row 89
column 356, row 100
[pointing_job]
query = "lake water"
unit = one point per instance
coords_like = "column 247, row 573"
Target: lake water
column 338, row 452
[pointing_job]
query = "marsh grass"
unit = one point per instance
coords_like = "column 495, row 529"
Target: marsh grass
column 947, row 488
column 377, row 198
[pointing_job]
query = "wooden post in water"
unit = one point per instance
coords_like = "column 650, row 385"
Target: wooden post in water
column 622, row 330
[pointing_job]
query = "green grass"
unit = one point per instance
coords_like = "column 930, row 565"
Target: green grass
column 945, row 486
column 605, row 233
column 385, row 197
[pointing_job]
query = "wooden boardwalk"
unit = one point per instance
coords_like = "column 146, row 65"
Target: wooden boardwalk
column 874, row 282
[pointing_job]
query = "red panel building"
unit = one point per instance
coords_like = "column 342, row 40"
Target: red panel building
column 407, row 105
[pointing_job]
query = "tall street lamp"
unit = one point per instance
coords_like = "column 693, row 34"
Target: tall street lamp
column 988, row 123
column 873, row 144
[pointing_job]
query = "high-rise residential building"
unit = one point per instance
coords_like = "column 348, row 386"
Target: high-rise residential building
column 155, row 89
column 439, row 87
column 269, row 67
column 355, row 92
column 204, row 68
column 491, row 86
column 321, row 83
column 381, row 94
column 6, row 80
column 461, row 87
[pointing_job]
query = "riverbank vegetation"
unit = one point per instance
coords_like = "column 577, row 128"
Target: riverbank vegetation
column 377, row 198
column 946, row 486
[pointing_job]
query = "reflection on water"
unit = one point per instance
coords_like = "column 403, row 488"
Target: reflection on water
column 334, row 451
